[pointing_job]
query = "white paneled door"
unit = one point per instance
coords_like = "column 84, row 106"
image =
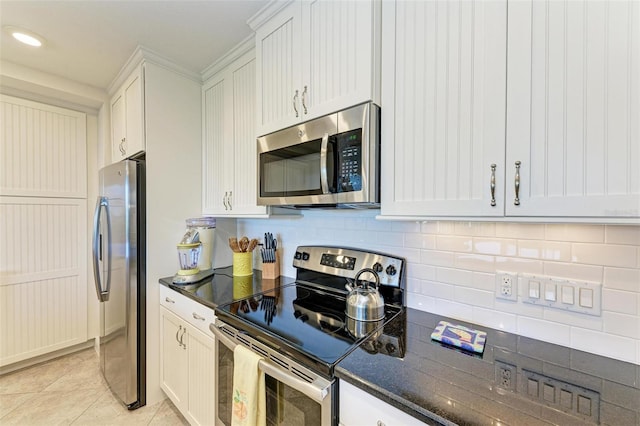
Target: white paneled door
column 43, row 229
column 573, row 108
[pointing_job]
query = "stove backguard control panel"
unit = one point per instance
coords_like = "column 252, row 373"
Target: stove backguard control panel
column 347, row 262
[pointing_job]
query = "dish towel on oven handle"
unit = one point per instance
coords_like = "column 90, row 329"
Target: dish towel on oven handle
column 249, row 397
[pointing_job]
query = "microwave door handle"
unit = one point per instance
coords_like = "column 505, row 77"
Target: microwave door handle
column 316, row 390
column 324, row 184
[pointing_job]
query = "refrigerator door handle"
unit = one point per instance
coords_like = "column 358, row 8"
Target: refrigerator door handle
column 103, row 202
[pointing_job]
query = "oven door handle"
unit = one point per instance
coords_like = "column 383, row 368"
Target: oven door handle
column 324, row 182
column 316, row 390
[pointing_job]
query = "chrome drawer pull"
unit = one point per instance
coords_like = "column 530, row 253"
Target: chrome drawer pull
column 169, row 300
column 517, row 183
column 493, row 185
column 198, row 317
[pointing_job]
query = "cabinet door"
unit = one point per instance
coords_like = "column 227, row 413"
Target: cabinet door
column 118, row 128
column 174, row 377
column 360, row 408
column 201, row 350
column 572, row 108
column 278, row 68
column 337, row 55
column 217, row 148
column 245, row 173
column 443, row 112
column 134, row 113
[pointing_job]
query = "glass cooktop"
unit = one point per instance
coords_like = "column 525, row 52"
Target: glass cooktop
column 305, row 323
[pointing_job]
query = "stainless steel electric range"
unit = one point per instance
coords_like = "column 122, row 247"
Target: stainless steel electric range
column 302, row 332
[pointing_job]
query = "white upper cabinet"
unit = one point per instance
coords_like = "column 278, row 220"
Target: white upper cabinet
column 127, row 118
column 314, row 58
column 443, row 112
column 573, row 108
column 229, row 145
column 548, row 92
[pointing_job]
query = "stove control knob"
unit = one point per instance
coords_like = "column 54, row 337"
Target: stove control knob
column 305, row 255
column 377, row 267
column 391, row 270
column 297, row 256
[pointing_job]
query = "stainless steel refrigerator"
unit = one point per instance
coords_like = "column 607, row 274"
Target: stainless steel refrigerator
column 119, row 272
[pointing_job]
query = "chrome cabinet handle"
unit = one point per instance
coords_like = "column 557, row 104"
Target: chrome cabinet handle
column 493, row 185
column 517, row 184
column 295, row 102
column 121, row 147
column 184, row 331
column 178, row 332
column 224, row 200
column 304, row 103
column 198, row 317
column 380, row 423
column 230, row 199
column 169, row 300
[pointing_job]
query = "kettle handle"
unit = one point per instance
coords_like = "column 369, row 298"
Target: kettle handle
column 375, row 275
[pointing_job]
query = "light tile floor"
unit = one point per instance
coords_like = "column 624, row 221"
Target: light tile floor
column 71, row 391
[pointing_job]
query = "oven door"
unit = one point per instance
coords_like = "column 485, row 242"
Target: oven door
column 301, row 399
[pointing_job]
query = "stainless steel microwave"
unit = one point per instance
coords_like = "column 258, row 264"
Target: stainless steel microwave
column 332, row 161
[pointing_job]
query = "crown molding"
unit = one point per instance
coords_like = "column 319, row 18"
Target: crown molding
column 240, row 49
column 267, row 12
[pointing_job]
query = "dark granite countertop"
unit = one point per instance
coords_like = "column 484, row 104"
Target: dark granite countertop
column 551, row 384
column 219, row 289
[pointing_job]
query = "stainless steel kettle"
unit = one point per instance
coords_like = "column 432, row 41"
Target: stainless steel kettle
column 365, row 303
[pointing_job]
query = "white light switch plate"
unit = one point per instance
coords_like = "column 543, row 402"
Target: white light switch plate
column 584, row 297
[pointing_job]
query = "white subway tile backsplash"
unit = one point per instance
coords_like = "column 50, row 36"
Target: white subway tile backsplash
column 454, row 276
column 409, row 227
column 473, row 297
column 420, row 302
column 429, row 227
column 454, row 243
column 528, row 231
column 622, row 279
column 495, row 246
column 605, row 254
column 575, row 233
column 475, row 229
column 474, row 262
column 621, row 324
column 452, row 265
column 484, row 281
column 422, row 241
column 439, row 290
column 451, row 309
column 574, row 271
column 544, row 250
column 603, row 343
column 570, row 318
column 421, row 271
column 437, row 258
column 519, row 265
column 622, row 234
column 552, row 331
column 623, row 302
column 494, row 319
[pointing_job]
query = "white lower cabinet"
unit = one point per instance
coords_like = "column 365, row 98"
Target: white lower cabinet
column 187, row 357
column 357, row 408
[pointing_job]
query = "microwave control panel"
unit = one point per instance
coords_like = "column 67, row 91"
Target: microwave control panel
column 349, row 161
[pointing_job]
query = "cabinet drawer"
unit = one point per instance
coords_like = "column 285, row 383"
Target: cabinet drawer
column 194, row 313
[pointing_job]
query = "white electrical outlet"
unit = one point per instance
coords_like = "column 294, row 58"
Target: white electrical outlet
column 507, row 286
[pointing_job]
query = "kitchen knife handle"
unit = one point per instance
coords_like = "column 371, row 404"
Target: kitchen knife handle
column 493, row 185
column 516, row 201
column 295, row 103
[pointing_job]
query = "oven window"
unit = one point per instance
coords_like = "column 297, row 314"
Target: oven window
column 285, row 405
column 295, row 170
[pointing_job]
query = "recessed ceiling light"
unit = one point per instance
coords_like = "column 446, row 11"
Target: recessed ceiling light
column 25, row 36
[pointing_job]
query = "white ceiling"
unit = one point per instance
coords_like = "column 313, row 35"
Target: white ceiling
column 88, row 41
